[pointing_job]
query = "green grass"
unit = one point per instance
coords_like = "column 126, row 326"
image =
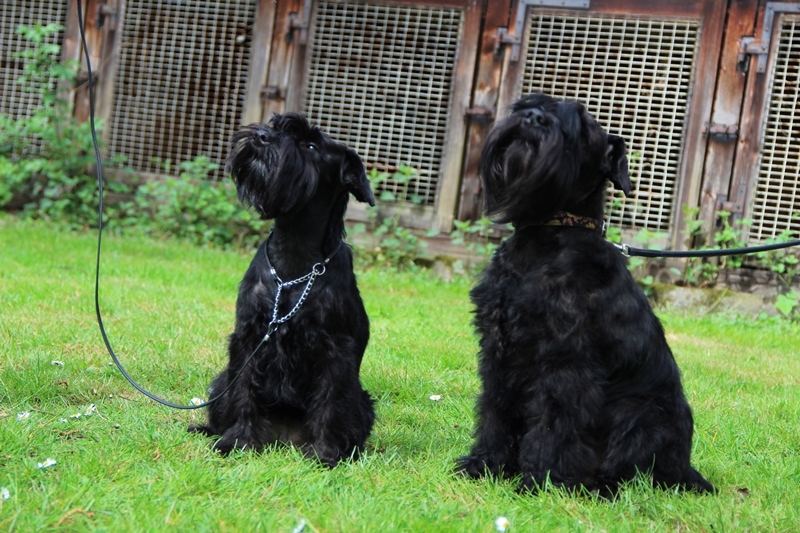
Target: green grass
column 168, row 309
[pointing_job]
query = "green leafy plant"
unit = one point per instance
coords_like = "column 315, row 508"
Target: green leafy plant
column 192, row 207
column 391, row 244
column 785, row 264
column 697, row 271
column 640, row 267
column 787, row 304
column 480, row 238
column 44, row 158
column 730, row 236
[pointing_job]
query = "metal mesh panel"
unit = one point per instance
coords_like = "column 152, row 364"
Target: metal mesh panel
column 380, row 80
column 15, row 101
column 777, row 195
column 181, row 80
column 633, row 75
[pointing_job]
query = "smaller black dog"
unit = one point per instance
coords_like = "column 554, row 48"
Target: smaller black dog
column 579, row 384
column 301, row 328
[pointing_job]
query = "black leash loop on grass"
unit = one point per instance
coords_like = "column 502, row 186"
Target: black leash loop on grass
column 317, row 270
column 99, row 242
column 628, row 251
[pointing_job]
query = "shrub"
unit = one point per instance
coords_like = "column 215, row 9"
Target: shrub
column 45, row 157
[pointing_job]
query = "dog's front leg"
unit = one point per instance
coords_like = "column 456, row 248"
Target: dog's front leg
column 236, row 417
column 497, row 430
column 341, row 413
column 561, row 440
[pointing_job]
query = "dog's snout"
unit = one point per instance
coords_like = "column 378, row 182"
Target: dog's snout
column 261, row 136
column 535, row 117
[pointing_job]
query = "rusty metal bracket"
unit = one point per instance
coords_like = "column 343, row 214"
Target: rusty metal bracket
column 748, row 45
column 480, row 112
column 503, row 36
column 721, row 132
column 722, row 204
column 270, row 92
column 300, row 24
column 502, row 39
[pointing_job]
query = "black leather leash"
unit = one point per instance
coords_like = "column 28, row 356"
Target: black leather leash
column 316, row 271
column 566, row 219
column 629, row 251
column 114, row 357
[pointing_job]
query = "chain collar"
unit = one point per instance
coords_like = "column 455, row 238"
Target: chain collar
column 317, row 269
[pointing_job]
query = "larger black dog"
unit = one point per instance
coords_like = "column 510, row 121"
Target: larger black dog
column 301, row 328
column 579, row 383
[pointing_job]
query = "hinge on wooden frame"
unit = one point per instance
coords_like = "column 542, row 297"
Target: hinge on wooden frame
column 503, row 36
column 105, row 11
column 749, row 47
column 270, row 92
column 296, row 23
column 721, row 132
column 723, row 204
column 479, row 112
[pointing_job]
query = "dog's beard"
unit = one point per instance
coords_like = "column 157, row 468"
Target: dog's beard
column 274, row 178
column 530, row 173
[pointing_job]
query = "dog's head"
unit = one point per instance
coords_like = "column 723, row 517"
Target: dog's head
column 278, row 167
column 547, row 156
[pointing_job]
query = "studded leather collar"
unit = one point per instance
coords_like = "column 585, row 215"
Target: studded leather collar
column 566, row 219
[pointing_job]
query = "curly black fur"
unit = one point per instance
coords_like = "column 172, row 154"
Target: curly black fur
column 579, row 384
column 303, row 386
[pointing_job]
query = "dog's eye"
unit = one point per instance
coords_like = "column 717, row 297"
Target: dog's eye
column 312, row 147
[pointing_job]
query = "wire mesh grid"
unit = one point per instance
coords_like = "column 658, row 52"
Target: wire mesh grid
column 17, row 100
column 380, row 79
column 776, row 205
column 181, row 81
column 634, row 76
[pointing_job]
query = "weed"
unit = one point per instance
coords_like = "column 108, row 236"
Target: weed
column 391, row 243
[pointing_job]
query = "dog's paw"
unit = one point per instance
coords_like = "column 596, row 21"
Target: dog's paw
column 476, row 467
column 203, row 430
column 696, row 482
column 529, row 485
column 326, row 455
column 228, row 444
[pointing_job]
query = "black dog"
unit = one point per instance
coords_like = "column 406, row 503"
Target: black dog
column 299, row 313
column 579, row 384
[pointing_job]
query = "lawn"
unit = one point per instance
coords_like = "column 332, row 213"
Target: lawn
column 168, row 307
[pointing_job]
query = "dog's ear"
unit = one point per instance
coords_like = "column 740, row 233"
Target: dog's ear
column 618, row 164
column 354, row 177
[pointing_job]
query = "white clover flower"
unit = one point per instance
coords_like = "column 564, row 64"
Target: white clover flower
column 24, row 415
column 57, row 363
column 435, row 397
column 501, row 524
column 196, row 401
column 47, row 463
column 5, row 493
